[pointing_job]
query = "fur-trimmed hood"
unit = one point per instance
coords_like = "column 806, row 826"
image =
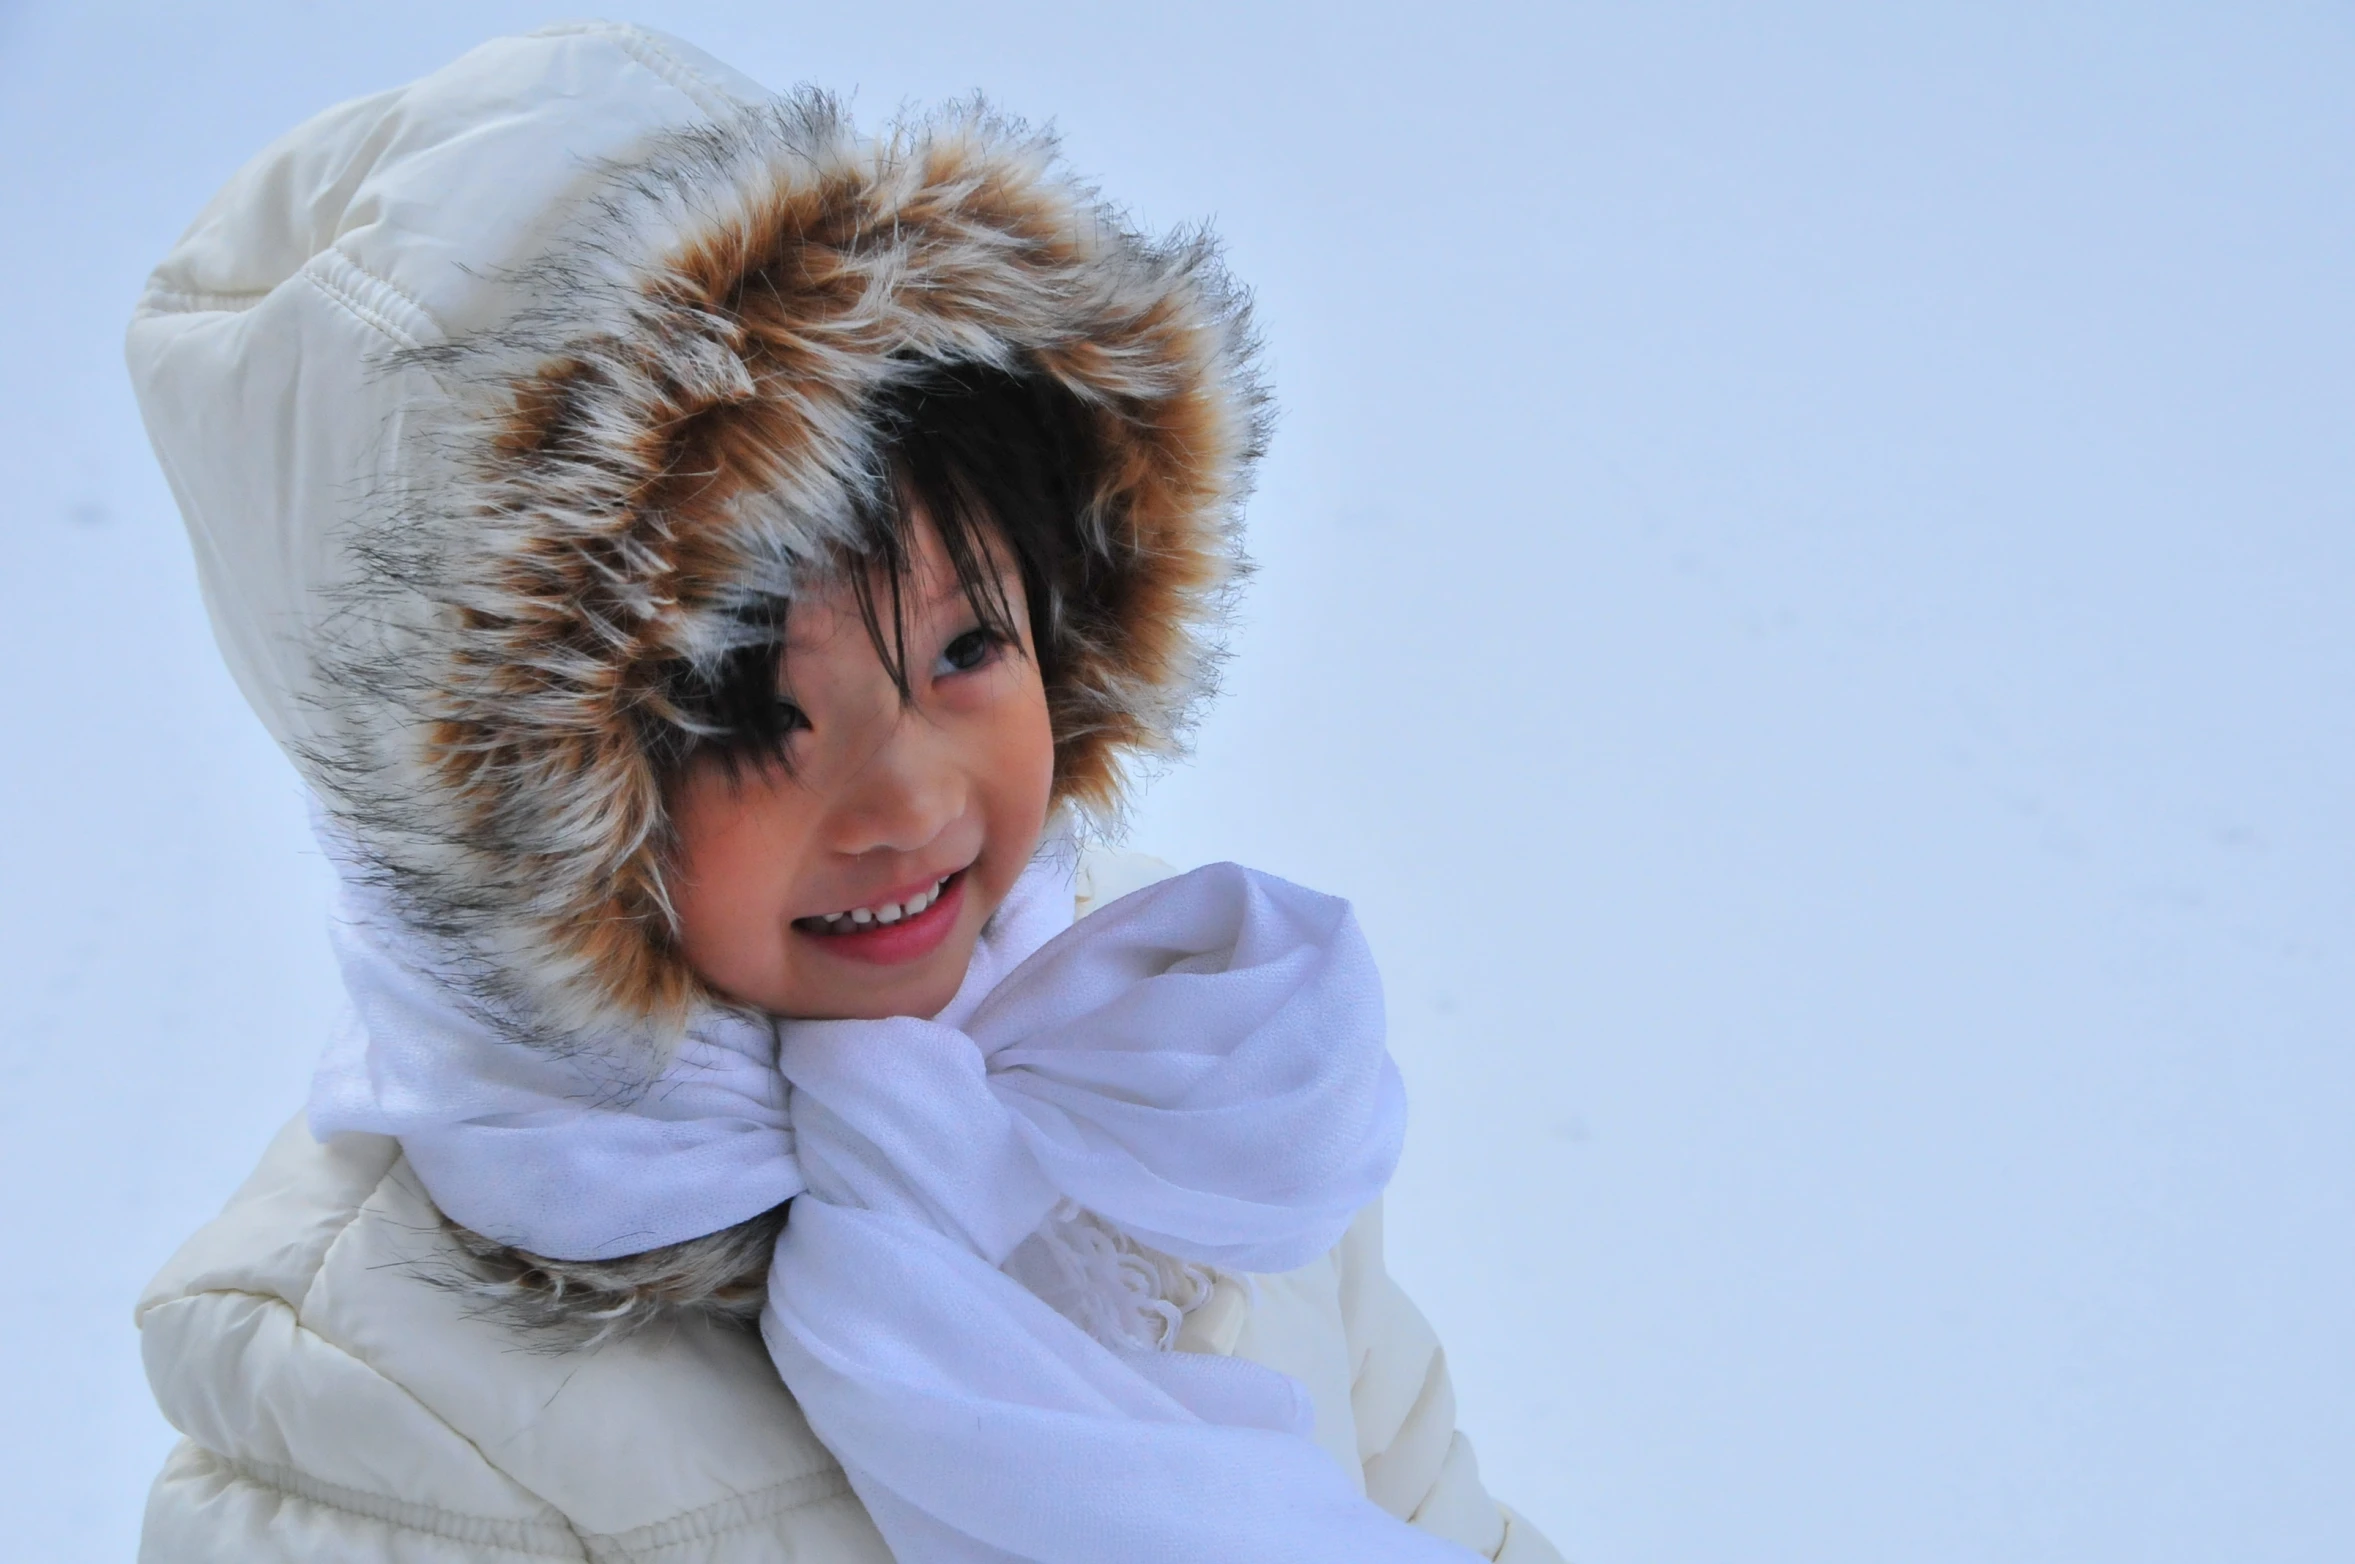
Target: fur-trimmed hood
column 493, row 399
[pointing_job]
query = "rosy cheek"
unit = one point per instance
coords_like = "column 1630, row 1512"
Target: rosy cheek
column 728, row 862
column 1026, row 760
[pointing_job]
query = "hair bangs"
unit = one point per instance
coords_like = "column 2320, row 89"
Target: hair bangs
column 1001, row 467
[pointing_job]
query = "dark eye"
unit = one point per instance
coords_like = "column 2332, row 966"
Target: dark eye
column 790, row 718
column 968, row 651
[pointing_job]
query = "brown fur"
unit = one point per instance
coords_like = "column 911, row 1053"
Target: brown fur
column 670, row 432
column 674, row 431
column 578, row 1305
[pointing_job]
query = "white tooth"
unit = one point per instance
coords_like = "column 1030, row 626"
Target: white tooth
column 888, row 913
column 861, row 915
column 922, row 901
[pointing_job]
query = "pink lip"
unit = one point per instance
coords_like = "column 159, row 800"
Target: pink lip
column 910, row 939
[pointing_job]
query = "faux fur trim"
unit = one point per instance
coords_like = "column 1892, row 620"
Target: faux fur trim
column 674, row 430
column 1123, row 1293
column 579, row 1305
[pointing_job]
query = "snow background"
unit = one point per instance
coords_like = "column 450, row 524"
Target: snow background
column 1805, row 588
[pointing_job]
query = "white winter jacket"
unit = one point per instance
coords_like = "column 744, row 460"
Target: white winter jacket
column 341, row 1405
column 500, row 406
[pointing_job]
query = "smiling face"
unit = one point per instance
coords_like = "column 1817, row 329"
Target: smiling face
column 850, row 876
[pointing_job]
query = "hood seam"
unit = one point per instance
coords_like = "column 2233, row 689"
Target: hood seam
column 346, row 281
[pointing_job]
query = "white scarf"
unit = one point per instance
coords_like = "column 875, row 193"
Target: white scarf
column 1199, row 1065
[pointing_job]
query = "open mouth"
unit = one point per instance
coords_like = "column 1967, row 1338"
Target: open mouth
column 891, row 931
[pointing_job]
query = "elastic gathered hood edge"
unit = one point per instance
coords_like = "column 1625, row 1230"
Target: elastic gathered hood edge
column 508, row 486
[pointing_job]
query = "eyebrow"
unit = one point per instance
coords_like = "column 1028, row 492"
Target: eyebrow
column 953, row 590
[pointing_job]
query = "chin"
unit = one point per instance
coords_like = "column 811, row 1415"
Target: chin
column 922, row 988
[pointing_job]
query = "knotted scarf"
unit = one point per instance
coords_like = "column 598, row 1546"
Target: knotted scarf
column 1200, row 1066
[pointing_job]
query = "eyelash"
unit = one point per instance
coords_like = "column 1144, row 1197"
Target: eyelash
column 791, row 719
column 989, row 641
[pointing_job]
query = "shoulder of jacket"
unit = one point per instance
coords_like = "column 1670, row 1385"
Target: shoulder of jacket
column 1106, row 874
column 274, row 1234
column 282, row 1409
column 308, row 1340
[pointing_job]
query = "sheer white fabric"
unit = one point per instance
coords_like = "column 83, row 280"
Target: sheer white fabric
column 1200, row 1065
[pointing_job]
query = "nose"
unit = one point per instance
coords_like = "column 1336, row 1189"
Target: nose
column 908, row 792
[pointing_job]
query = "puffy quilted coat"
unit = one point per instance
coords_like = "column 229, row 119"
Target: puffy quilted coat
column 491, row 402
column 341, row 1405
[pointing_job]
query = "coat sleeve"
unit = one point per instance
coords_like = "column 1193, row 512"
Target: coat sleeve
column 1417, row 1465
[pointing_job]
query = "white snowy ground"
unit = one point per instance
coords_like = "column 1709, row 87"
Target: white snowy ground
column 1805, row 592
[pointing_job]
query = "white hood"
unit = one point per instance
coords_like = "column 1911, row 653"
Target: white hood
column 390, row 223
column 426, row 375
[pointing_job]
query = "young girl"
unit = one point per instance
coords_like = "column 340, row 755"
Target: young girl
column 708, row 567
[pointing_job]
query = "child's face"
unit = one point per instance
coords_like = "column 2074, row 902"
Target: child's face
column 884, row 801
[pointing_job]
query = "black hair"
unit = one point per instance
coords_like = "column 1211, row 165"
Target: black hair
column 1003, row 466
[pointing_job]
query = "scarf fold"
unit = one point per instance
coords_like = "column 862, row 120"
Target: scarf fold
column 1199, row 1065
